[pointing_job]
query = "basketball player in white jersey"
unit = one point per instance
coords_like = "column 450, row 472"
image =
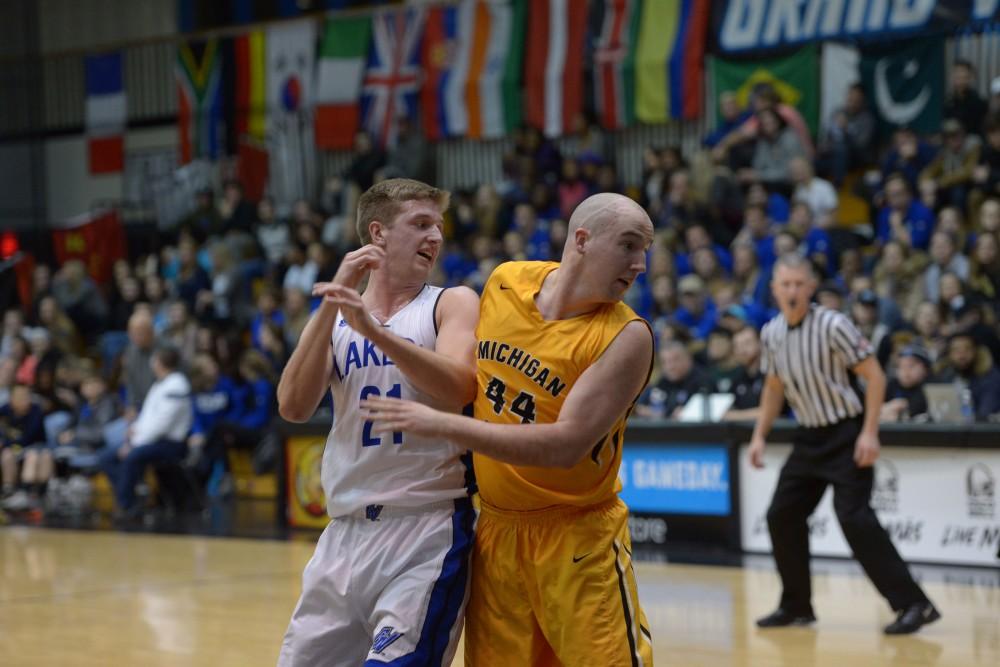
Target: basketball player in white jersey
column 388, row 582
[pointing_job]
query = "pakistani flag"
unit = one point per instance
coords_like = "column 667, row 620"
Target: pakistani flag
column 905, row 84
column 794, row 77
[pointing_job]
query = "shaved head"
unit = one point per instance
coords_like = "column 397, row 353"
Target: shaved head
column 604, row 211
column 607, row 238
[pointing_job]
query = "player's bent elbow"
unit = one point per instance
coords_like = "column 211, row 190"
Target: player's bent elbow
column 568, row 458
column 291, row 412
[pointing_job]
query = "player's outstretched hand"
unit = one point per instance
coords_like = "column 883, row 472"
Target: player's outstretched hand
column 357, row 264
column 393, row 414
column 349, row 303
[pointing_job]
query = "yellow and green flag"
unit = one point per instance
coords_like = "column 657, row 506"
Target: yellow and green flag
column 794, row 77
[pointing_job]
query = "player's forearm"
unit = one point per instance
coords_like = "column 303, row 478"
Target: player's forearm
column 771, row 401
column 307, row 373
column 747, row 414
column 539, row 445
column 448, row 381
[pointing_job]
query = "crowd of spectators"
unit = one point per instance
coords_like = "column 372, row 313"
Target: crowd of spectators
column 213, row 314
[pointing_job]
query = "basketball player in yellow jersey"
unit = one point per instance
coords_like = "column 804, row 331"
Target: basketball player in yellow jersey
column 561, row 361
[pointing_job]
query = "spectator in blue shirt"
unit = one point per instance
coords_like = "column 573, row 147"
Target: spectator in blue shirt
column 730, row 118
column 903, row 218
column 533, row 231
column 758, row 230
column 815, row 242
column 752, row 283
column 268, row 310
column 909, row 156
column 250, row 426
column 697, row 311
column 214, row 400
column 696, row 237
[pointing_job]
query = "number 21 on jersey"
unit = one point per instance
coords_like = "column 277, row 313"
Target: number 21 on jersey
column 367, row 440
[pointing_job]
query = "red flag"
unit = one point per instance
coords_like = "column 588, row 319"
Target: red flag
column 553, row 74
column 95, row 238
column 23, row 272
column 252, row 169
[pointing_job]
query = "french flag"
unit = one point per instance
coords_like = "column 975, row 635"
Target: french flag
column 105, row 113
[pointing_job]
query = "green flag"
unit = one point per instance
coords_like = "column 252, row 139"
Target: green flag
column 905, row 84
column 795, row 77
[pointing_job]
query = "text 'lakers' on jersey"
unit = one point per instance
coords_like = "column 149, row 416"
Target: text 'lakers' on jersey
column 526, row 366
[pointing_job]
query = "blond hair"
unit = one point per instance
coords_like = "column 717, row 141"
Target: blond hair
column 383, row 201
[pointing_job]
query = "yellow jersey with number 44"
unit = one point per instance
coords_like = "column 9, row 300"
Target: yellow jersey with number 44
column 526, row 366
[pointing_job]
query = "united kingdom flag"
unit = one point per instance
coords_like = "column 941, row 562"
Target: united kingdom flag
column 393, row 77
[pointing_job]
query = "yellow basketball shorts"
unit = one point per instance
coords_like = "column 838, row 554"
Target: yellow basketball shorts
column 555, row 587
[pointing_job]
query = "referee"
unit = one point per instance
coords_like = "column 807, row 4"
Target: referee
column 809, row 353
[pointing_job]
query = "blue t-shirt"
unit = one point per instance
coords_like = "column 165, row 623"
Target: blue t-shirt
column 24, row 430
column 220, row 403
column 918, row 219
column 700, row 326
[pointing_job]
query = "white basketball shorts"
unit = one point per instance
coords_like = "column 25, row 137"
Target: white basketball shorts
column 386, row 586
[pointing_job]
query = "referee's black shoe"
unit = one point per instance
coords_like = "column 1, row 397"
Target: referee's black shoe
column 913, row 618
column 780, row 618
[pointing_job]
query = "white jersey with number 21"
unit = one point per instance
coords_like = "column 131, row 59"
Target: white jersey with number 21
column 364, row 467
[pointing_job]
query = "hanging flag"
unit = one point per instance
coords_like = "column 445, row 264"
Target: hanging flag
column 245, row 109
column 105, row 113
column 392, row 77
column 291, row 49
column 839, row 71
column 511, row 80
column 445, row 59
column 338, row 80
column 290, row 58
column 199, row 99
column 95, row 238
column 614, row 62
column 669, row 60
column 245, row 92
column 470, row 54
column 793, row 77
column 905, row 83
column 553, row 73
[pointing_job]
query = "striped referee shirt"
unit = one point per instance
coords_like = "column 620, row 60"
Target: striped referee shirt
column 812, row 360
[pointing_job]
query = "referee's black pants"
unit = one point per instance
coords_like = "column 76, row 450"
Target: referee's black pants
column 823, row 456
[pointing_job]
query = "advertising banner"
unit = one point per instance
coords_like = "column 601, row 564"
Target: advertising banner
column 662, row 478
column 746, row 26
column 938, row 505
column 305, row 498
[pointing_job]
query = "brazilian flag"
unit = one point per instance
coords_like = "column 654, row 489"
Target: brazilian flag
column 795, row 77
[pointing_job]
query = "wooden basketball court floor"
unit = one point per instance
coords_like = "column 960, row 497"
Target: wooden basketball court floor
column 107, row 599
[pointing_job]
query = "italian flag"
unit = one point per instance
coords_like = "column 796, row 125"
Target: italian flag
column 342, row 60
